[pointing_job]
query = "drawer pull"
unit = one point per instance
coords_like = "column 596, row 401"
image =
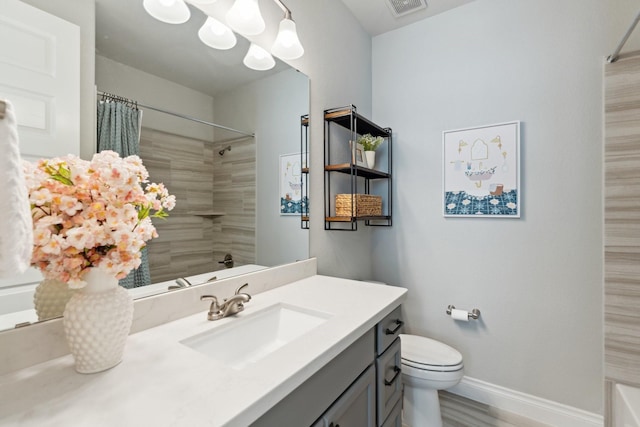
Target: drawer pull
column 393, row 331
column 395, row 376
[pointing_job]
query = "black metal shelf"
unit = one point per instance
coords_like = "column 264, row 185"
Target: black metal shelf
column 343, row 116
column 361, row 179
column 304, row 163
column 357, row 218
column 349, row 168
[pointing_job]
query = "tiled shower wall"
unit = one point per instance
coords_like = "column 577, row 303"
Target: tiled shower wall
column 622, row 227
column 234, row 193
column 191, row 241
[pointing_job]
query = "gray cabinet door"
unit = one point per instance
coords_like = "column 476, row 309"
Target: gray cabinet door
column 356, row 406
column 395, row 418
column 389, row 379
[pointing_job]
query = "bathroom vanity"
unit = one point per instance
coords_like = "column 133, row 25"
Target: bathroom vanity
column 362, row 386
column 307, row 352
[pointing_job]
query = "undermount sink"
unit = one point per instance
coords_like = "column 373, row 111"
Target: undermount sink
column 247, row 339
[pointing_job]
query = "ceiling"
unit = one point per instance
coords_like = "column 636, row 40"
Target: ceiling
column 376, row 18
column 125, row 33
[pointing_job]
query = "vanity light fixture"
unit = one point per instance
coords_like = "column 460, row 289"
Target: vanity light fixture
column 244, row 17
column 287, row 45
column 169, row 11
column 217, row 35
column 258, row 59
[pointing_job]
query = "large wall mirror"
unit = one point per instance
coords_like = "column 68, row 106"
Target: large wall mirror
column 227, row 184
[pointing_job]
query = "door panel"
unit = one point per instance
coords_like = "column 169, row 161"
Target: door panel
column 40, row 75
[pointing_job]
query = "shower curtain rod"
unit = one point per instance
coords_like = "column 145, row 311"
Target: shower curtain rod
column 614, row 56
column 171, row 113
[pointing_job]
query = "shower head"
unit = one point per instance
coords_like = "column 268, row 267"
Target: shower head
column 221, row 152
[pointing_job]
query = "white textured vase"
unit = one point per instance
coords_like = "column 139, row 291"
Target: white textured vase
column 97, row 321
column 50, row 298
column 371, row 158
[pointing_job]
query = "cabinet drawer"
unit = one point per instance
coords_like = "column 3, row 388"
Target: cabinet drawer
column 356, row 405
column 388, row 380
column 388, row 329
column 395, row 418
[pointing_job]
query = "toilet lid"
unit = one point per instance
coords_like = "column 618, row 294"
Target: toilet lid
column 425, row 351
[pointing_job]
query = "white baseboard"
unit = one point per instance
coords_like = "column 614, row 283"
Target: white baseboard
column 526, row 405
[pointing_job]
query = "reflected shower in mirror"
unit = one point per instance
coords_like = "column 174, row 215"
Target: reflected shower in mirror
column 226, row 204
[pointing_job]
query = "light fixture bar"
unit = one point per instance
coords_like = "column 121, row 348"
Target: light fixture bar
column 243, row 17
column 285, row 9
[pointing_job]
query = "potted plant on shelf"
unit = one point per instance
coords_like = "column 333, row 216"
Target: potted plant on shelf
column 370, row 143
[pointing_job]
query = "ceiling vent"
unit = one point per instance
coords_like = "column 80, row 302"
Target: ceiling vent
column 404, row 7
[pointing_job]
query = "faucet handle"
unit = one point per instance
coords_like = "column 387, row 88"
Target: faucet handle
column 241, row 287
column 228, row 261
column 213, row 298
column 215, row 311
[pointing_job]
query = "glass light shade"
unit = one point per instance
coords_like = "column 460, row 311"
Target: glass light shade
column 217, row 35
column 287, row 45
column 245, row 18
column 169, row 11
column 258, row 59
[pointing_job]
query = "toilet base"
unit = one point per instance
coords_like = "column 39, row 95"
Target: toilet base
column 426, row 413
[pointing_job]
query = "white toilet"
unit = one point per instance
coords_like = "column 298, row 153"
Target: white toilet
column 427, row 366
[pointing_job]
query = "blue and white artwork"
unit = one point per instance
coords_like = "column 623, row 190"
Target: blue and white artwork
column 481, row 171
column 292, row 180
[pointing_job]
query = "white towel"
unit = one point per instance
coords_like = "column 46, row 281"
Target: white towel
column 16, row 226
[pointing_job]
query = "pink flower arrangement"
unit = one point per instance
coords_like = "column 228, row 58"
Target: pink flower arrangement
column 92, row 214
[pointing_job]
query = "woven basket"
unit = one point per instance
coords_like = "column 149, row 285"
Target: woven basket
column 366, row 205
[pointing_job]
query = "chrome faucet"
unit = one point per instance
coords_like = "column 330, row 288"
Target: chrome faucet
column 229, row 307
column 181, row 282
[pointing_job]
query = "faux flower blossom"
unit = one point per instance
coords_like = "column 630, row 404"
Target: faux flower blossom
column 92, row 214
column 370, row 142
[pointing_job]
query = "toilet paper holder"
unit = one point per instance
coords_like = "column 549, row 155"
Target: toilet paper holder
column 473, row 314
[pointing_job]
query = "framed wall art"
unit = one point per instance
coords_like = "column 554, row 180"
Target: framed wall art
column 357, row 155
column 481, row 171
column 291, row 182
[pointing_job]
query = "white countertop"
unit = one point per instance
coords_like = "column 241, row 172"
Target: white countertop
column 161, row 382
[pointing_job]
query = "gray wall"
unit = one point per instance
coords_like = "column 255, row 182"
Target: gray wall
column 337, row 61
column 279, row 237
column 271, row 107
column 538, row 279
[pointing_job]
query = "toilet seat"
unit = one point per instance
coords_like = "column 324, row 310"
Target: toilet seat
column 429, row 355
